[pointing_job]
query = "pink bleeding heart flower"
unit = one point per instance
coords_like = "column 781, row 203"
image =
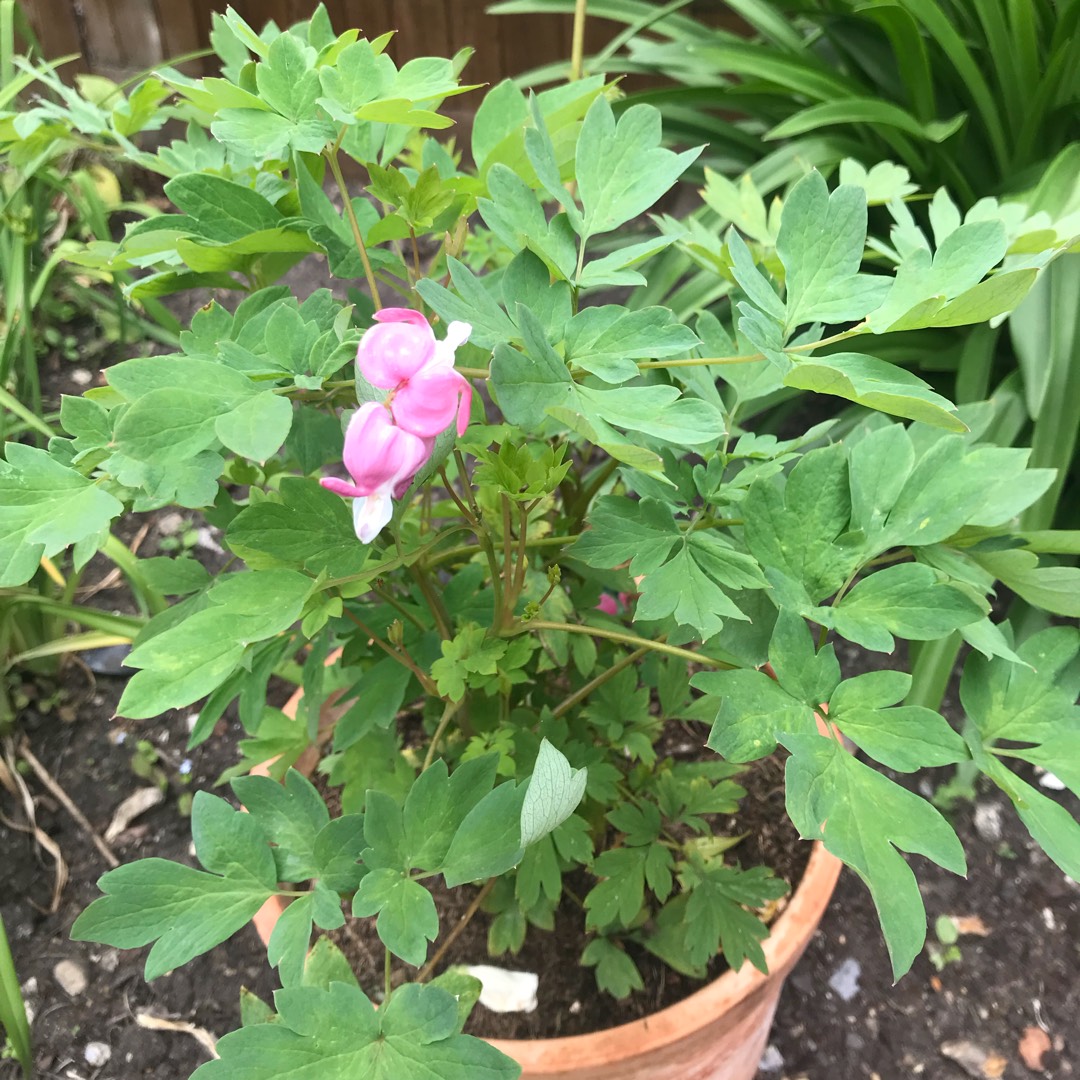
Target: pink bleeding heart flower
column 382, row 460
column 401, row 354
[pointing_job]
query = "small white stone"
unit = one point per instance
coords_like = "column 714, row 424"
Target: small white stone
column 575, row 1008
column 1048, row 919
column 168, row 524
column 108, row 959
column 845, row 979
column 97, row 1054
column 1051, row 782
column 205, row 538
column 988, row 821
column 71, row 977
column 506, row 991
column 772, row 1060
column 81, row 377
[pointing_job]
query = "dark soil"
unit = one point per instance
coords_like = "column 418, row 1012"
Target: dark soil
column 1025, row 973
column 570, row 1003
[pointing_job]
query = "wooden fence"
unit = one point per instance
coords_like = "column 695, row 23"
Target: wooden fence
column 120, row 37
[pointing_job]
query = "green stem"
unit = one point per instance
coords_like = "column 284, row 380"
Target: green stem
column 425, row 972
column 579, row 508
column 387, row 970
column 581, row 694
column 713, row 360
column 438, row 609
column 350, row 213
column 626, row 639
column 577, row 46
column 444, row 722
column 930, row 673
column 401, row 657
column 473, row 549
column 146, row 595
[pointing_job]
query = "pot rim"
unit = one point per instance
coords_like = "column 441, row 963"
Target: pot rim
column 787, row 939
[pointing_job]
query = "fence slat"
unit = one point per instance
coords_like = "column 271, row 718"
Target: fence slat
column 119, row 37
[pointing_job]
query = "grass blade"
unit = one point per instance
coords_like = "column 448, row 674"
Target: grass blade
column 12, row 1010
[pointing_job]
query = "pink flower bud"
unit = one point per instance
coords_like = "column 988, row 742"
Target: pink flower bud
column 608, row 604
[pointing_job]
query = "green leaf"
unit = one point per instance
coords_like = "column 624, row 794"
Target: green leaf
column 407, row 917
column 187, row 661
column 287, row 80
column 820, row 243
column 622, row 168
column 326, row 964
column 1031, row 702
column 716, row 913
column 607, row 340
column 47, row 507
column 379, row 694
column 617, row 898
column 225, row 211
column 336, row 851
column 908, row 600
column 685, row 588
column 553, row 794
column 754, row 712
column 289, row 940
column 862, row 818
column 616, row 973
column 185, row 911
column 622, row 529
column 924, row 284
column 488, row 841
column 515, row 214
column 473, row 303
column 907, row 738
column 174, row 576
column 865, row 110
column 877, row 384
column 438, row 805
column 257, row 427
column 794, row 530
column 336, row 1034
column 1053, row 588
column 291, row 815
column 310, row 529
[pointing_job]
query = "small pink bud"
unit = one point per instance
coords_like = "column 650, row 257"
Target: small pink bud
column 608, row 604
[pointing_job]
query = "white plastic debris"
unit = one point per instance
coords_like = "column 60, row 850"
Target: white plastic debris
column 506, row 991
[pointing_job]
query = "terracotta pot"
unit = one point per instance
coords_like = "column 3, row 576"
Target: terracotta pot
column 718, row 1033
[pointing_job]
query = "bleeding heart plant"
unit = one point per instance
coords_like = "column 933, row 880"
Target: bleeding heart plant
column 519, row 453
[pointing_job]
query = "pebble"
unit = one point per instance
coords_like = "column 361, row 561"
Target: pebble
column 845, row 979
column 772, row 1060
column 81, row 377
column 988, row 821
column 97, row 1054
column 974, row 1060
column 1051, row 782
column 71, row 977
column 168, row 524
